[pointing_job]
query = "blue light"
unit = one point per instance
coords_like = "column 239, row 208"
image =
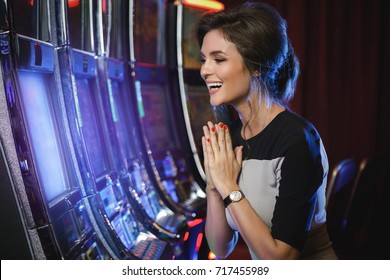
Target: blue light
column 43, row 134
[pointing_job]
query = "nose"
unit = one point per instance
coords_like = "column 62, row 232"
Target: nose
column 204, row 71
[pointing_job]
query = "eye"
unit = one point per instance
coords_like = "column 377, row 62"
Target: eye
column 219, row 60
column 202, row 60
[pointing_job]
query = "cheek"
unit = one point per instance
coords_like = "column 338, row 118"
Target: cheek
column 240, row 83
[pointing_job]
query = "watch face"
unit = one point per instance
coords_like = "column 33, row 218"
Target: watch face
column 235, row 196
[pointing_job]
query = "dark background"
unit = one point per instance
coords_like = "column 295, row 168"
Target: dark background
column 343, row 47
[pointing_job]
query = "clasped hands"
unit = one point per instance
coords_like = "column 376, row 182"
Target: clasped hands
column 222, row 164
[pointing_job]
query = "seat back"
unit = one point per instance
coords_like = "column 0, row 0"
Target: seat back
column 338, row 195
column 341, row 181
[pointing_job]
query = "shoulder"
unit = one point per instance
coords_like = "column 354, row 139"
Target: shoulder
column 295, row 127
column 302, row 141
column 295, row 136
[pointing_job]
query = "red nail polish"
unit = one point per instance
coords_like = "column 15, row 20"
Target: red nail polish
column 225, row 127
column 220, row 125
column 208, row 139
column 213, row 129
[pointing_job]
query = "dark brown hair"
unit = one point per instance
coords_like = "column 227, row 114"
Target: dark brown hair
column 260, row 36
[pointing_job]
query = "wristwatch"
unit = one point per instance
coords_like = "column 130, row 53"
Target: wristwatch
column 234, row 196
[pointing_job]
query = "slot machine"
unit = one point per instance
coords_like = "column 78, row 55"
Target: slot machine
column 99, row 83
column 112, row 52
column 53, row 210
column 68, row 211
column 179, row 179
column 181, row 183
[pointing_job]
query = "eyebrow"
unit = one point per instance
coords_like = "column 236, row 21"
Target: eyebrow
column 213, row 53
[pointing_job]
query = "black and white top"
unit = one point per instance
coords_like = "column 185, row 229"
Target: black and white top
column 284, row 175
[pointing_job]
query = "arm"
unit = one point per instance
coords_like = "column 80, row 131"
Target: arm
column 257, row 235
column 220, row 237
column 224, row 166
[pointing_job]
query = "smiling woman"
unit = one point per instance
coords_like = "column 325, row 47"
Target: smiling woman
column 223, row 70
column 267, row 171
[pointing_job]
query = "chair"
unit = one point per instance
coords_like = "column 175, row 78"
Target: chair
column 342, row 177
column 338, row 195
column 368, row 212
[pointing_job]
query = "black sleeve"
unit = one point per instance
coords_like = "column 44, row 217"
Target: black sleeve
column 301, row 176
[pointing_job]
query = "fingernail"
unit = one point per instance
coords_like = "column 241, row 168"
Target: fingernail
column 220, row 125
column 225, row 127
column 213, row 129
column 208, row 139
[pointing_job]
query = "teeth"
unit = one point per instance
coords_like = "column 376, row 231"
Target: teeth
column 214, row 85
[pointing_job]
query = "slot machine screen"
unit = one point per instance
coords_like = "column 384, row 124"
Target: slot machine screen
column 93, row 252
column 110, row 204
column 147, row 206
column 120, row 119
column 156, row 121
column 136, row 178
column 66, row 231
column 131, row 227
column 117, row 224
column 89, row 125
column 146, row 194
column 44, row 135
column 154, row 202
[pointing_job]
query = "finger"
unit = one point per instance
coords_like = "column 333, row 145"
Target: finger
column 221, row 136
column 206, row 161
column 228, row 139
column 205, row 157
column 206, row 132
column 206, row 139
column 209, row 135
column 238, row 153
column 213, row 137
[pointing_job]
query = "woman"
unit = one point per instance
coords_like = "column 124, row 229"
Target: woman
column 266, row 171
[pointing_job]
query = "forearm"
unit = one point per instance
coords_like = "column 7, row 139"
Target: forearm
column 257, row 234
column 220, row 237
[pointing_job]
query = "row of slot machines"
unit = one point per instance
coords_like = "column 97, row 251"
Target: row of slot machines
column 100, row 157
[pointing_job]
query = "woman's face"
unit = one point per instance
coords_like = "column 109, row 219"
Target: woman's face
column 223, row 70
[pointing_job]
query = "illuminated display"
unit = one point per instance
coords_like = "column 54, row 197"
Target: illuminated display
column 117, row 224
column 43, row 134
column 89, row 125
column 110, row 204
column 120, row 119
column 156, row 120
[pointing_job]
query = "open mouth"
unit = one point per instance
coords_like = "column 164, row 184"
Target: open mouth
column 214, row 86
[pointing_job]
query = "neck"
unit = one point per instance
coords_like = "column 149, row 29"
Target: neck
column 255, row 118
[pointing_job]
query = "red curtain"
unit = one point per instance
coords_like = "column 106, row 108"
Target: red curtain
column 343, row 89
